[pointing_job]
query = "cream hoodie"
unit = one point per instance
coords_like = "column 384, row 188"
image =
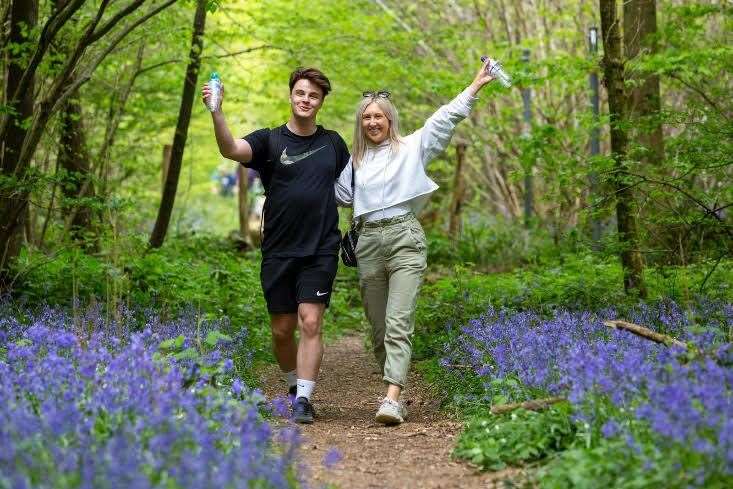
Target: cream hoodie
column 385, row 180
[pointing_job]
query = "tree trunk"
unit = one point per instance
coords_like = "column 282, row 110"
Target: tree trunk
column 74, row 159
column 454, row 227
column 626, row 209
column 165, row 165
column 13, row 195
column 243, row 180
column 73, row 156
column 640, row 27
column 179, row 139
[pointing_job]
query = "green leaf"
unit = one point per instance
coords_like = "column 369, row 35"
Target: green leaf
column 187, row 354
column 173, row 343
column 214, row 337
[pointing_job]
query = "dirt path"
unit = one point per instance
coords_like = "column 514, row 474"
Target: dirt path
column 413, row 455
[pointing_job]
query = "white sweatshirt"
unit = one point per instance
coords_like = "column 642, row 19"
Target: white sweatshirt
column 385, row 180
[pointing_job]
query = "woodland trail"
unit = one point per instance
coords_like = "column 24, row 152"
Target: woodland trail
column 413, row 455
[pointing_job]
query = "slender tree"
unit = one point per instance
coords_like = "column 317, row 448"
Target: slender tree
column 13, row 199
column 459, row 189
column 74, row 159
column 179, row 139
column 73, row 156
column 640, row 28
column 626, row 209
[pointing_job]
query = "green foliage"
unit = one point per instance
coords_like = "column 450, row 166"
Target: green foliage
column 459, row 388
column 613, row 463
column 493, row 442
column 175, row 350
column 496, row 244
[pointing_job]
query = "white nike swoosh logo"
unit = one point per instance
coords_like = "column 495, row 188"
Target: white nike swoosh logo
column 289, row 160
column 319, row 293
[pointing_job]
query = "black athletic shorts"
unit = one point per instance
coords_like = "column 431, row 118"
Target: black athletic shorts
column 288, row 282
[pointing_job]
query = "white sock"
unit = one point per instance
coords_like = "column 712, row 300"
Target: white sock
column 305, row 388
column 292, row 378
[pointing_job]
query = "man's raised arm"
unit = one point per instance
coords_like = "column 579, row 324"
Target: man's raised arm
column 229, row 147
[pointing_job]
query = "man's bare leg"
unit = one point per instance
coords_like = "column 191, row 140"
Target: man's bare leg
column 310, row 354
column 310, row 349
column 283, row 341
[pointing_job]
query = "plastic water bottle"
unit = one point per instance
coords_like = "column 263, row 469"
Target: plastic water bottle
column 215, row 87
column 497, row 71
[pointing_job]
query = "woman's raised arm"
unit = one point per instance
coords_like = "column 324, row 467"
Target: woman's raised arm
column 438, row 129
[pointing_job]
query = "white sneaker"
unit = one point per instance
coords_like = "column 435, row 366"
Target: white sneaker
column 391, row 412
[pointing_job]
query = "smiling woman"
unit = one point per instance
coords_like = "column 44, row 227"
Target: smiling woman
column 390, row 186
column 376, row 121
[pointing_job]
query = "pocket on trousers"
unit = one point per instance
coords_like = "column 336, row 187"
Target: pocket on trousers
column 359, row 242
column 418, row 236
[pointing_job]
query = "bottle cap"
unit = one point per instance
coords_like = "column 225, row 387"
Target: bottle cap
column 214, row 76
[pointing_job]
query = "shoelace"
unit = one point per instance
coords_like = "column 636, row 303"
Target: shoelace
column 390, row 401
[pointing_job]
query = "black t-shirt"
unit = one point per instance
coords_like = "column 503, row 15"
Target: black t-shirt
column 300, row 205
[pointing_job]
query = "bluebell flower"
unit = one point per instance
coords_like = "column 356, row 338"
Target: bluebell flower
column 333, row 456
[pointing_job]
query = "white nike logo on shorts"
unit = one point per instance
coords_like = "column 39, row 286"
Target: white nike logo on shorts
column 319, row 293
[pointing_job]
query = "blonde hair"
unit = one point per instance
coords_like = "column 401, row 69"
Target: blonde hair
column 360, row 139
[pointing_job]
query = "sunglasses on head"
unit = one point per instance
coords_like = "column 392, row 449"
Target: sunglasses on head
column 380, row 94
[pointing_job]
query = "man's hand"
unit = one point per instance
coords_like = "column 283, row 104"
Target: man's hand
column 206, row 93
column 234, row 149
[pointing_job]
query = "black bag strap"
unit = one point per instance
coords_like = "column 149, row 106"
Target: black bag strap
column 273, row 145
column 354, row 221
column 353, row 180
column 273, row 153
column 331, row 137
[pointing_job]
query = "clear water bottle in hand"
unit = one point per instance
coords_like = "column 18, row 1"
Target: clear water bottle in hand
column 215, row 89
column 497, row 71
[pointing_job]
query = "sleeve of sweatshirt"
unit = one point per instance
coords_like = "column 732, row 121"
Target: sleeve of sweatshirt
column 344, row 193
column 438, row 129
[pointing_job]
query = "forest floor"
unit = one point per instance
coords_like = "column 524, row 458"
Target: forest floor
column 413, row 455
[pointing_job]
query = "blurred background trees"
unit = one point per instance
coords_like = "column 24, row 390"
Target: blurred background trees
column 92, row 94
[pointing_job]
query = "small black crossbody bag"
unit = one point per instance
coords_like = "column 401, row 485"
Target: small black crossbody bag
column 348, row 242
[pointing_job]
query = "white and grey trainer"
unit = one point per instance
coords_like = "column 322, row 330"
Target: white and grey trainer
column 391, row 412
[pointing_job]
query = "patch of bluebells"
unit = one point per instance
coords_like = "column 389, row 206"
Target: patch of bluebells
column 89, row 403
column 685, row 402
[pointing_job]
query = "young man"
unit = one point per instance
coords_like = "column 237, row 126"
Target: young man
column 298, row 163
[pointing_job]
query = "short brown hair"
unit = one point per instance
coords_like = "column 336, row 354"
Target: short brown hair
column 313, row 75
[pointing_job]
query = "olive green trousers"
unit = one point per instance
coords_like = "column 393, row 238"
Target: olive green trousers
column 391, row 255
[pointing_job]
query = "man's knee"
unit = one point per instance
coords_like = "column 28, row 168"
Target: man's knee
column 310, row 321
column 283, row 327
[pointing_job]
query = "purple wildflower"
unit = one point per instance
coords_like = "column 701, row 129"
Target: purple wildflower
column 332, row 457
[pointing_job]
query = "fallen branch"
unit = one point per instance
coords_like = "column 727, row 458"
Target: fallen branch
column 533, row 405
column 645, row 333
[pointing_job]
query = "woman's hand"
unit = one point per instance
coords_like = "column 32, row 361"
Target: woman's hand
column 482, row 78
column 206, row 93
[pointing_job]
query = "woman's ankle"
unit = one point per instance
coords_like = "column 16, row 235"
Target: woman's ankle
column 393, row 392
